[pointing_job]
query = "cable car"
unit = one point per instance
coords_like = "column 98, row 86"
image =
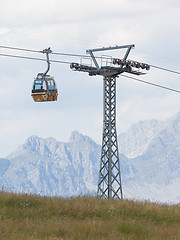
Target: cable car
column 44, row 87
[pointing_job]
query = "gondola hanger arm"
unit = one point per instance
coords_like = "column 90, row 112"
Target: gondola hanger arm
column 47, row 51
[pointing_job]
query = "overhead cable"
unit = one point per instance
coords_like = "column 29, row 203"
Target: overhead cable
column 80, row 55
column 164, row 69
column 37, row 51
column 66, row 62
column 55, row 53
column 150, row 83
column 70, row 54
column 32, row 58
column 21, row 49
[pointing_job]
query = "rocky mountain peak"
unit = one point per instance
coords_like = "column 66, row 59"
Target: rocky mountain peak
column 135, row 141
column 75, row 135
column 150, row 168
column 77, row 138
column 140, row 136
column 33, row 141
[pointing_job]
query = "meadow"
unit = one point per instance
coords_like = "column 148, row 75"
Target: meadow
column 25, row 217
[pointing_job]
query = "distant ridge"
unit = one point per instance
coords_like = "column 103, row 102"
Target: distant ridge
column 149, row 159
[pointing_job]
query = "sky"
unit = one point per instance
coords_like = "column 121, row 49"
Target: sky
column 70, row 26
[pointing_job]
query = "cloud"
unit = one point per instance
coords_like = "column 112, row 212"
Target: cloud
column 159, row 108
column 74, row 26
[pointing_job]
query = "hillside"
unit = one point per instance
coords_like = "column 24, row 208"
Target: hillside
column 32, row 217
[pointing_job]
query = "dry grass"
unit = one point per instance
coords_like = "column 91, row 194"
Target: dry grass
column 32, row 217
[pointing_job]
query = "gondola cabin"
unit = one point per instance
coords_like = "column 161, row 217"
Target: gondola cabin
column 44, row 89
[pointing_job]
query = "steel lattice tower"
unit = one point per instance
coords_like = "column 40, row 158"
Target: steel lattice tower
column 109, row 185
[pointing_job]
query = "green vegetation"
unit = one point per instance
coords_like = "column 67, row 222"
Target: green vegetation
column 25, row 217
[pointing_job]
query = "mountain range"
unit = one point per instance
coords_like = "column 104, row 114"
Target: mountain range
column 149, row 159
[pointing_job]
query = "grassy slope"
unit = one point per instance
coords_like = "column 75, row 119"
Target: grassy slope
column 32, row 217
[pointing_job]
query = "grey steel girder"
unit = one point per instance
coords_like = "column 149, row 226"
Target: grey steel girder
column 109, row 185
